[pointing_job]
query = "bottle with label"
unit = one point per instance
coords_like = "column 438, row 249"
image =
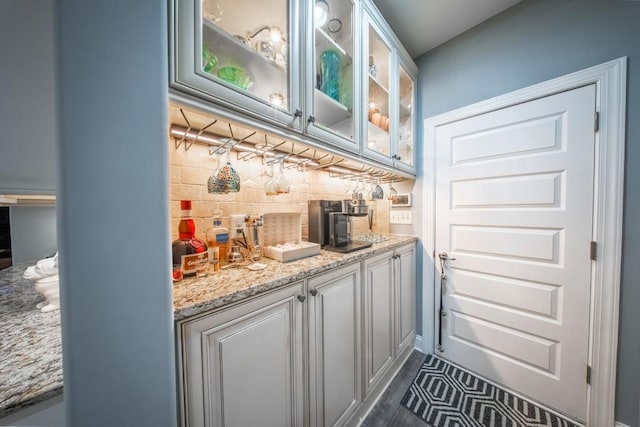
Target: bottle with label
column 189, row 252
column 217, row 240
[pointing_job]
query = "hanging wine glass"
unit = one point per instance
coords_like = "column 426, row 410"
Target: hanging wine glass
column 214, row 185
column 282, row 183
column 250, row 182
column 270, row 187
column 304, row 184
column 228, row 177
column 377, row 193
column 393, row 194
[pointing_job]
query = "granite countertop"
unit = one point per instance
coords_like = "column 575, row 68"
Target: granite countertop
column 31, row 349
column 30, row 345
column 194, row 296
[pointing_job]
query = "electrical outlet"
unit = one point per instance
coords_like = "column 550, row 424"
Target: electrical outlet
column 401, row 217
column 237, row 226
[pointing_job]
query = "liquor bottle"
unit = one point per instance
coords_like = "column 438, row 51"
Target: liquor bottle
column 188, row 251
column 217, row 240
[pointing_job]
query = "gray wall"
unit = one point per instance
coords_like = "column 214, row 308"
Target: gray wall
column 33, row 232
column 113, row 213
column 27, row 102
column 535, row 41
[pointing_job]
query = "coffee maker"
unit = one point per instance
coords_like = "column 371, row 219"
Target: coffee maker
column 330, row 224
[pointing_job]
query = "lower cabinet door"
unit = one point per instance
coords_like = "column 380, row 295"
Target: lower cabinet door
column 242, row 366
column 378, row 297
column 405, row 297
column 334, row 346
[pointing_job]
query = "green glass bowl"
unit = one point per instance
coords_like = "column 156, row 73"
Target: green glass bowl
column 209, row 60
column 236, row 76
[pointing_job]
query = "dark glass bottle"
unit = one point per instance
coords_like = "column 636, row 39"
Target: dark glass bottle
column 188, row 251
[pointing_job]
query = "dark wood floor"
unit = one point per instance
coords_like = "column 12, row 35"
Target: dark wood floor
column 387, row 411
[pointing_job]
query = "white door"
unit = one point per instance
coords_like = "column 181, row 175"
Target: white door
column 514, row 201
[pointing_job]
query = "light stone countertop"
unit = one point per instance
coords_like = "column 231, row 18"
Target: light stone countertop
column 30, row 345
column 30, row 341
column 194, row 296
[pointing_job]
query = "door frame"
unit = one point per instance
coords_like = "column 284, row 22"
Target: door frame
column 610, row 79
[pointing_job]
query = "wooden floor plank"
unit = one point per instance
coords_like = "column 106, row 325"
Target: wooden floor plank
column 387, row 410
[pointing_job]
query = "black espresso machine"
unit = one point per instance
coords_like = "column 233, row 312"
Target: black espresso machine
column 330, row 224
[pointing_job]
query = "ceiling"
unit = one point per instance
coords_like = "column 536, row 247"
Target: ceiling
column 422, row 25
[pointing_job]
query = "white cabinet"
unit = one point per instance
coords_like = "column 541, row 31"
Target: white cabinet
column 241, row 54
column 389, row 93
column 329, row 70
column 334, row 346
column 332, row 99
column 389, row 311
column 248, row 365
column 242, row 366
column 405, row 297
column 378, row 297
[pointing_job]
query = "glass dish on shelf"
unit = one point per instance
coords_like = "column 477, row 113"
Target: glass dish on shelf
column 236, row 76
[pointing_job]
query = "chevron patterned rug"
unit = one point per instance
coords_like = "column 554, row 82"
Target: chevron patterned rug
column 443, row 395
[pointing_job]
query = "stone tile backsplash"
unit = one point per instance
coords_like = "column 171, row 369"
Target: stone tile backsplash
column 189, row 171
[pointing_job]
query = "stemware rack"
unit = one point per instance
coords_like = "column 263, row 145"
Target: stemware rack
column 249, row 144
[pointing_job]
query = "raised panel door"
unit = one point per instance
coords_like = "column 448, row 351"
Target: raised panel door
column 378, row 297
column 243, row 366
column 334, row 346
column 405, row 280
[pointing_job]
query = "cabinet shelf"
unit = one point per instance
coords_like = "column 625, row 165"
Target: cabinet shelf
column 324, row 41
column 328, row 110
column 268, row 77
column 374, row 133
column 379, row 95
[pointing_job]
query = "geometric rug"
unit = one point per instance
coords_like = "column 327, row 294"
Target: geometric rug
column 443, row 395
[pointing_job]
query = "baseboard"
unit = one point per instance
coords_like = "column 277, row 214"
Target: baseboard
column 418, row 345
column 376, row 392
column 619, row 424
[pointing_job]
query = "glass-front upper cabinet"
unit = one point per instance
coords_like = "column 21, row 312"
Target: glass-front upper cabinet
column 404, row 153
column 243, row 54
column 378, row 87
column 332, row 87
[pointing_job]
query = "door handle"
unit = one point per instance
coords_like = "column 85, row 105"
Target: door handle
column 445, row 256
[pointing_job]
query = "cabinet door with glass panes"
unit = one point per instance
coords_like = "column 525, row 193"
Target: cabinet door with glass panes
column 241, row 54
column 378, row 90
column 404, row 151
column 332, row 82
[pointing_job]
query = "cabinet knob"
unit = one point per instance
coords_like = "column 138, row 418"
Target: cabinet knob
column 297, row 113
column 312, row 119
column 301, row 298
column 313, row 292
column 398, row 158
column 394, row 156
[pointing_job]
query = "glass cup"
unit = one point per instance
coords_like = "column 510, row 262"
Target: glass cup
column 282, row 183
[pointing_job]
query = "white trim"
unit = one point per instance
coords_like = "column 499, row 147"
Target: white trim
column 418, row 344
column 619, row 424
column 610, row 79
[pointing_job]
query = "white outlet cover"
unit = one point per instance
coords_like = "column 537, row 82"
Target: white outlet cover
column 237, row 221
column 401, row 217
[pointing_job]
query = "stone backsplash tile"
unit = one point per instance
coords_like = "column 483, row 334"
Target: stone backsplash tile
column 189, row 171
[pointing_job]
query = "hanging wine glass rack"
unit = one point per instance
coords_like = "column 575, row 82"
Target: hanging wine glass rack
column 249, row 144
